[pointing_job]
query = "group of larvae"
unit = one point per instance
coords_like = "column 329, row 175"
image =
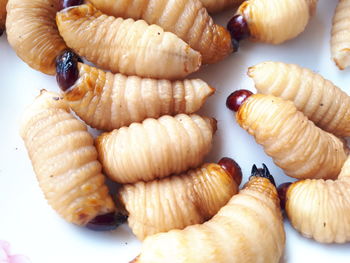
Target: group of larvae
column 148, row 110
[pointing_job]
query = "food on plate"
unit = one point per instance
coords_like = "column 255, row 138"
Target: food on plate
column 155, row 148
column 319, row 99
column 295, row 144
column 248, row 229
column 340, row 40
column 2, row 15
column 126, row 46
column 64, row 160
column 320, row 209
column 214, row 6
column 180, row 200
column 109, row 101
column 188, row 19
column 33, row 34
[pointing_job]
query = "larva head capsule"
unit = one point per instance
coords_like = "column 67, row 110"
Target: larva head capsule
column 282, row 193
column 106, row 222
column 232, row 168
column 68, row 3
column 238, row 28
column 67, row 71
column 262, row 172
column 236, row 99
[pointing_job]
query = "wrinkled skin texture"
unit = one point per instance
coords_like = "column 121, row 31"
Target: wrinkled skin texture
column 214, row 6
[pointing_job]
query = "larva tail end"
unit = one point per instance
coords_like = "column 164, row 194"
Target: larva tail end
column 263, row 172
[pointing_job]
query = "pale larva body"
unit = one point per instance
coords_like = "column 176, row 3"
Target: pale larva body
column 320, row 209
column 191, row 198
column 296, row 145
column 248, row 229
column 126, row 46
column 65, row 160
column 276, row 21
column 109, row 101
column 2, row 15
column 188, row 19
column 340, row 40
column 155, row 148
column 214, row 6
column 33, row 34
column 311, row 93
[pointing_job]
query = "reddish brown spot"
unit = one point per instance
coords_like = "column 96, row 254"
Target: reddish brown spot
column 236, row 99
column 106, row 222
column 238, row 28
column 67, row 69
column 282, row 193
column 232, row 168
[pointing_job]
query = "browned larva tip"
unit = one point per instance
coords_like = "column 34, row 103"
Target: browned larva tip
column 232, row 168
column 282, row 193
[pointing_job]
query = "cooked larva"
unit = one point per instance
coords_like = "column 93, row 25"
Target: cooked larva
column 191, row 198
column 188, row 19
column 340, row 40
column 126, row 46
column 2, row 15
column 33, row 34
column 320, row 209
column 214, row 6
column 155, row 148
column 296, row 145
column 248, row 229
column 310, row 92
column 65, row 160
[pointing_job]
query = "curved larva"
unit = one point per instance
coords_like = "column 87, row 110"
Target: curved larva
column 310, row 92
column 188, row 19
column 3, row 4
column 214, row 6
column 340, row 40
column 248, row 229
column 320, row 209
column 191, row 198
column 65, row 160
column 126, row 46
column 33, row 34
column 276, row 21
column 106, row 101
column 155, row 148
column 296, row 145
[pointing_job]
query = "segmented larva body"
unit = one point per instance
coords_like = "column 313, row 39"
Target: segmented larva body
column 65, row 160
column 2, row 15
column 340, row 40
column 191, row 198
column 251, row 217
column 155, row 148
column 320, row 209
column 214, row 6
column 296, row 145
column 106, row 101
column 33, row 34
column 188, row 19
column 126, row 46
column 310, row 92
column 276, row 21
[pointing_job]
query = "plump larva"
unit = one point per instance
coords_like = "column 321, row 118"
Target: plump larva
column 33, row 34
column 188, row 19
column 319, row 99
column 65, row 160
column 320, row 209
column 248, row 229
column 214, row 6
column 156, row 148
column 2, row 15
column 106, row 101
column 296, row 145
column 340, row 40
column 177, row 201
column 126, row 46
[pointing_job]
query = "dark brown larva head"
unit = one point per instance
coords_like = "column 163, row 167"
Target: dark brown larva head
column 68, row 3
column 282, row 193
column 106, row 222
column 67, row 71
column 236, row 99
column 263, row 172
column 238, row 28
column 232, row 168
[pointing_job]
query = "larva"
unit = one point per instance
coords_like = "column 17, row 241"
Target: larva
column 340, row 39
column 248, row 229
column 320, row 209
column 33, row 34
column 126, row 46
column 3, row 4
column 65, row 160
column 214, row 6
column 155, row 148
column 191, row 198
column 296, row 145
column 109, row 101
column 188, row 19
column 310, row 92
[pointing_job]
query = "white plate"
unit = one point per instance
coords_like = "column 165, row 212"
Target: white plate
column 35, row 230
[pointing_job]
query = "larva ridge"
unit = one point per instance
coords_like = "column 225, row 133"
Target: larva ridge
column 340, row 35
column 106, row 101
column 155, row 148
column 64, row 160
column 33, row 34
column 191, row 198
column 214, row 6
column 296, row 145
column 310, row 92
column 230, row 236
column 188, row 19
column 126, row 46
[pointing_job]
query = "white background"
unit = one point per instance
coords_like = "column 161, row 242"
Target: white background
column 34, row 229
